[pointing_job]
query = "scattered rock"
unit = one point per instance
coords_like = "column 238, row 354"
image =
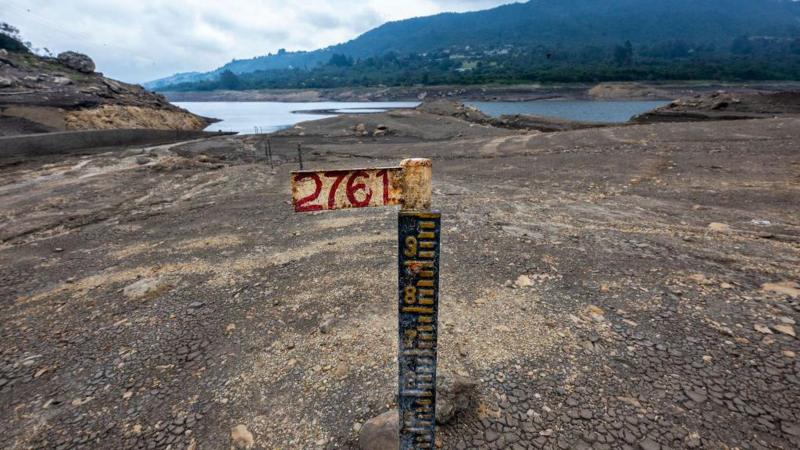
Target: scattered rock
column 77, row 61
column 147, row 287
column 6, row 82
column 325, row 326
column 699, row 278
column 631, row 401
column 649, row 444
column 380, row 433
column 693, row 440
column 242, row 437
column 763, row 329
column 491, row 435
column 719, row 227
column 142, row 160
column 523, row 281
column 785, row 329
column 341, row 370
column 595, row 313
column 62, row 81
column 455, row 394
column 695, row 396
column 789, row 288
column 791, row 428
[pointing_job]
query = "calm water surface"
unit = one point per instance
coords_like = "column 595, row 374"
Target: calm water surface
column 587, row 111
column 273, row 116
column 249, row 117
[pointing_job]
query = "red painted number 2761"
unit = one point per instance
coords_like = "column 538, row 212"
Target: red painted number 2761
column 327, row 190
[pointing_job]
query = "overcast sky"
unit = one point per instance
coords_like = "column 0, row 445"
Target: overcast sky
column 140, row 40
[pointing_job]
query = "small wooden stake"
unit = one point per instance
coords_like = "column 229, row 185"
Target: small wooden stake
column 300, row 156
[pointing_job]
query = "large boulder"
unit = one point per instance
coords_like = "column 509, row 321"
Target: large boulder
column 77, row 61
column 455, row 394
column 381, row 433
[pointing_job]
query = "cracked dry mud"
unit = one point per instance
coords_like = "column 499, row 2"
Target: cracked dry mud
column 160, row 298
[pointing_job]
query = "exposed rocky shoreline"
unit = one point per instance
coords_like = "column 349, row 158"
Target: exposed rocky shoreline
column 40, row 94
column 723, row 105
column 489, row 93
column 446, row 119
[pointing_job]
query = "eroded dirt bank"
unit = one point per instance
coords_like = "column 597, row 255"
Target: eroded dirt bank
column 156, row 298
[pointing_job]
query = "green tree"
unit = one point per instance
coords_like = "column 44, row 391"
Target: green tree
column 338, row 60
column 795, row 46
column 229, row 80
column 10, row 39
column 623, row 54
column 742, row 46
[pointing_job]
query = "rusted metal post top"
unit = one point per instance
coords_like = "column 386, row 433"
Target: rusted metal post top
column 417, row 174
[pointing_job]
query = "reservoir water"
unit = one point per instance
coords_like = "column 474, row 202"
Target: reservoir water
column 266, row 117
column 582, row 110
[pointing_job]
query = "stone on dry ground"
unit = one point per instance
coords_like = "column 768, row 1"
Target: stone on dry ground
column 381, row 432
column 241, row 437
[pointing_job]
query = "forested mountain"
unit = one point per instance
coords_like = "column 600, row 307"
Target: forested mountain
column 583, row 32
column 581, row 23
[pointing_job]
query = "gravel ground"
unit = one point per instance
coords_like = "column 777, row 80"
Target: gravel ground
column 162, row 297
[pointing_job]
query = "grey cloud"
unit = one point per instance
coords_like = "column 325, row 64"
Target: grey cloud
column 146, row 39
column 324, row 20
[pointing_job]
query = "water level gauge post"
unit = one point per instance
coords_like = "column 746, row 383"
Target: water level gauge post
column 419, row 248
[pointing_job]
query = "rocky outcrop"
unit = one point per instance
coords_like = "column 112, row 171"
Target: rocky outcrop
column 722, row 105
column 56, row 94
column 541, row 123
column 471, row 114
column 77, row 61
column 627, row 91
column 450, row 108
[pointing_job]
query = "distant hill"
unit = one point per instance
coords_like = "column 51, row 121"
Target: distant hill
column 554, row 27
